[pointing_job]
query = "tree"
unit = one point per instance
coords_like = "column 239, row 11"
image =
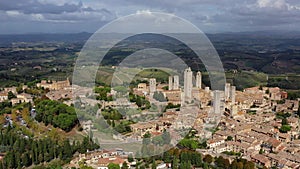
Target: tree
column 229, row 138
column 124, row 165
column 188, row 143
column 86, row 167
column 10, row 160
column 284, row 121
column 19, row 89
column 285, row 128
column 196, row 159
column 208, row 158
column 113, row 166
column 139, row 101
column 146, row 138
column 203, row 145
column 240, row 165
column 2, row 119
column 175, row 163
column 11, row 95
column 234, row 164
column 130, row 158
column 205, row 166
column 222, row 163
column 56, row 113
column 261, row 151
column 24, row 152
column 153, row 165
column 167, row 157
column 249, row 165
column 65, row 121
column 18, row 160
column 185, row 156
column 185, row 165
column 14, row 115
column 182, row 165
column 67, row 150
column 113, row 123
column 26, row 160
column 103, row 93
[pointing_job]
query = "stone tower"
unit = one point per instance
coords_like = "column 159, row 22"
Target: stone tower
column 188, row 84
column 198, row 80
column 227, row 91
column 152, row 84
column 217, row 102
column 170, row 83
column 176, row 82
column 232, row 95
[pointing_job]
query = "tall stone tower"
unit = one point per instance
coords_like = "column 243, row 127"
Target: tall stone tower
column 176, row 82
column 199, row 80
column 152, row 84
column 227, row 91
column 170, row 83
column 217, row 102
column 188, row 84
column 232, row 95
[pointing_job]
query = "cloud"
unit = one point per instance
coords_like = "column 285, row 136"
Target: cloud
column 278, row 4
column 45, row 11
column 34, row 6
column 99, row 15
column 255, row 15
column 208, row 15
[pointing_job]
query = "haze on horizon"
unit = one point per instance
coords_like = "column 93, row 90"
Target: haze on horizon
column 211, row 16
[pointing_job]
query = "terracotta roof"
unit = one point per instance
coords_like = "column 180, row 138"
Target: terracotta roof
column 3, row 94
column 274, row 142
column 155, row 133
column 106, row 161
column 261, row 158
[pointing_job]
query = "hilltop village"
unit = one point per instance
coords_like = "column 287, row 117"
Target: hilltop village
column 259, row 124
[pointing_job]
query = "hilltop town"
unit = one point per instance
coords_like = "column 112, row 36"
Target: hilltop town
column 259, row 124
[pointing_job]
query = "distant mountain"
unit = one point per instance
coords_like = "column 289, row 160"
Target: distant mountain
column 83, row 36
column 77, row 37
column 261, row 34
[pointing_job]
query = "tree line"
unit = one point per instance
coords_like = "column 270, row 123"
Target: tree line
column 24, row 152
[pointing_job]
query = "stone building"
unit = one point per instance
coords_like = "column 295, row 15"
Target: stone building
column 54, row 85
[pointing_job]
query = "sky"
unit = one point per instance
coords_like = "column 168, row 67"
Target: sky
column 210, row 16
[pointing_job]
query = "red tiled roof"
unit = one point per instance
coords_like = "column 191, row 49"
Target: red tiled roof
column 106, row 161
